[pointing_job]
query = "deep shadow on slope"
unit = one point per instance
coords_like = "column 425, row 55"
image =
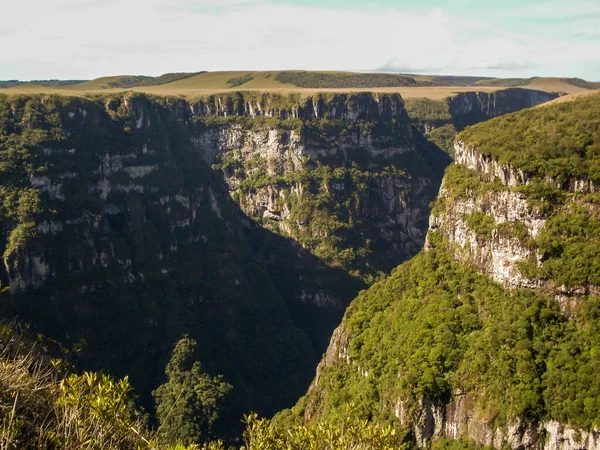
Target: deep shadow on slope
column 132, row 268
column 215, row 290
column 317, row 294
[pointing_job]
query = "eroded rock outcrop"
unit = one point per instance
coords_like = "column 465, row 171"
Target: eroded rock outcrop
column 514, row 223
column 468, row 108
column 128, row 239
column 431, row 420
column 490, row 222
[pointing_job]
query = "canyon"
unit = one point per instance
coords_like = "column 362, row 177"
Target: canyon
column 434, row 345
column 247, row 220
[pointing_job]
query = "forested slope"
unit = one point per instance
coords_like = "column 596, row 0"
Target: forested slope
column 492, row 331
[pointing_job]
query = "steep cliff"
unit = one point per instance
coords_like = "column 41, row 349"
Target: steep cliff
column 469, row 108
column 116, row 231
column 507, row 224
column 347, row 178
column 492, row 331
column 246, row 220
column 441, row 120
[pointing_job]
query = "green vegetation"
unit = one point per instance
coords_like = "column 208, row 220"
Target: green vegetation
column 20, row 204
column 570, row 245
column 164, row 254
column 451, row 80
column 561, row 141
column 235, row 82
column 326, row 105
column 481, row 224
column 515, row 230
column 355, row 80
column 48, row 83
column 505, row 82
column 435, row 327
column 459, row 444
column 350, row 433
column 134, row 271
column 424, row 111
column 129, row 81
column 461, row 182
column 444, row 137
column 441, row 120
column 433, row 119
column 326, row 200
column 190, row 402
column 45, row 407
column 331, row 227
column 325, row 215
column 342, row 80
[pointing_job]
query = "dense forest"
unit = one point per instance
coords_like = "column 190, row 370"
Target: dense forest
column 439, row 340
column 176, row 268
column 561, row 141
column 436, row 327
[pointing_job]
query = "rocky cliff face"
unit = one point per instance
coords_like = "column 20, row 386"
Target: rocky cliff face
column 352, row 184
column 490, row 249
column 116, row 230
column 469, row 108
column 441, row 120
column 496, row 219
column 460, row 418
column 499, row 193
column 491, row 169
column 347, row 107
column 494, row 226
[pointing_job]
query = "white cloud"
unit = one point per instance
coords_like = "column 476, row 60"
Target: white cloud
column 91, row 38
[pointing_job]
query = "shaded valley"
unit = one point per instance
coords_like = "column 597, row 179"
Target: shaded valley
column 247, row 221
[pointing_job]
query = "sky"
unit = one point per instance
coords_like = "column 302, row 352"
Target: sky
column 86, row 39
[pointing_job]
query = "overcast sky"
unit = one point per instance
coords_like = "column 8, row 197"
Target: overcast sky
column 84, row 39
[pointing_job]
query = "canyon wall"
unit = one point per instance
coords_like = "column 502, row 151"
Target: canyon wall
column 490, row 219
column 117, row 231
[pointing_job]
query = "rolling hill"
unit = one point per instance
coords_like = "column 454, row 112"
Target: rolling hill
column 434, row 87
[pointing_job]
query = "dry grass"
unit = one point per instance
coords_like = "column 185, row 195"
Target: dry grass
column 217, row 82
column 98, row 83
column 569, row 98
column 434, row 93
column 209, row 80
column 555, row 85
